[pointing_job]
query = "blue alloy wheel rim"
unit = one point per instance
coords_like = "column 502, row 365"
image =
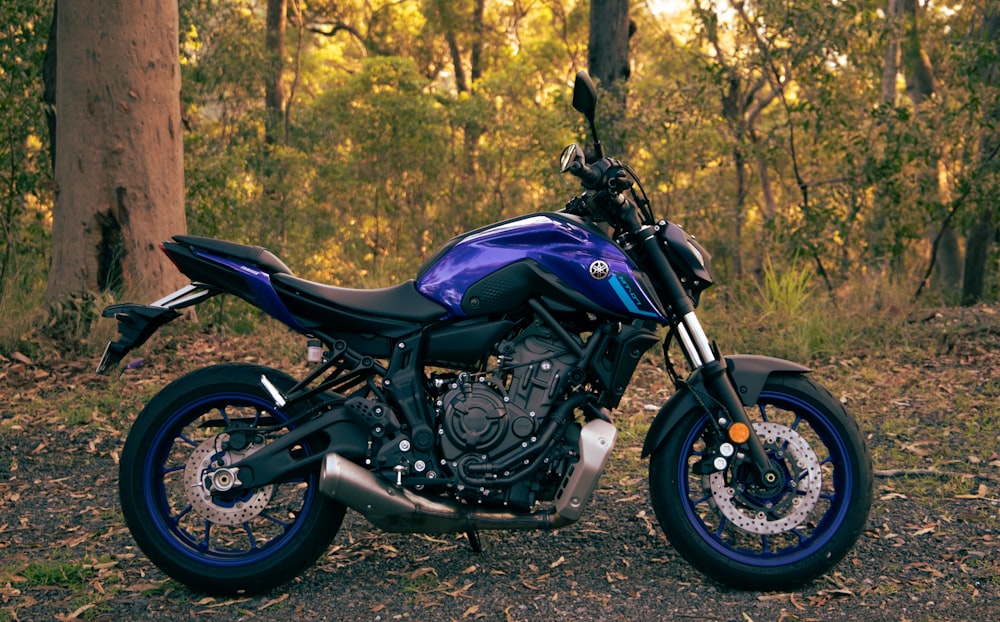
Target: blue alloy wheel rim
column 837, row 499
column 167, row 521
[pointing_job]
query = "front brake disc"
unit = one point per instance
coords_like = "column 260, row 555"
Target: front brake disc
column 790, row 506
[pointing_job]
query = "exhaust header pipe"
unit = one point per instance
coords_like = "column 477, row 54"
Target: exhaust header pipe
column 395, row 509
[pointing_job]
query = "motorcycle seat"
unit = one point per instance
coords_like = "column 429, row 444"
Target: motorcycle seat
column 399, row 302
column 257, row 255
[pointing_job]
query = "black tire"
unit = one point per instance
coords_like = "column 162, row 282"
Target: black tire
column 243, row 544
column 748, row 537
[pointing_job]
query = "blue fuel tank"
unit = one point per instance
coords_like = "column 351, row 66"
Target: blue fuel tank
column 554, row 255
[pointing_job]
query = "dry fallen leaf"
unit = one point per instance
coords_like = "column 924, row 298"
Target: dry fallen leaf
column 274, row 601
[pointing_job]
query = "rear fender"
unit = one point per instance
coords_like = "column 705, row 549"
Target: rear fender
column 749, row 372
column 137, row 323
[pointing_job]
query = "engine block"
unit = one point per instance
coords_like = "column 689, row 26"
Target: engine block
column 487, row 421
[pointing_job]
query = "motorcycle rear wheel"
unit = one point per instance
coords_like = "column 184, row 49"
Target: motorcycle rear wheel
column 245, row 542
column 748, row 536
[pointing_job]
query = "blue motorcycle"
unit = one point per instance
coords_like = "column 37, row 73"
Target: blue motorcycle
column 478, row 396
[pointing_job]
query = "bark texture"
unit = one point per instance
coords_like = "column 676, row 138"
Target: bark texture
column 607, row 54
column 608, row 64
column 119, row 172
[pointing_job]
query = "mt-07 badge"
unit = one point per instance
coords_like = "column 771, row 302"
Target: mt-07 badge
column 600, row 270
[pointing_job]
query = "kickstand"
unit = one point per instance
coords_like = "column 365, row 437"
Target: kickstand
column 473, row 537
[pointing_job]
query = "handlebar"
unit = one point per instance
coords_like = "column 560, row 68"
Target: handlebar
column 589, row 175
column 605, row 181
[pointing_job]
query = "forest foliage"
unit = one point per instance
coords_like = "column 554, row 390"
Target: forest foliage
column 783, row 133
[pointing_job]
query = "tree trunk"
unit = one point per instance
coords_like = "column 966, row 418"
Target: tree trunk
column 275, row 222
column 49, row 85
column 919, row 72
column 607, row 55
column 981, row 236
column 920, row 86
column 608, row 63
column 948, row 263
column 977, row 246
column 473, row 130
column 891, row 65
column 119, row 175
column 451, row 21
column 740, row 164
column 476, row 58
column 274, row 90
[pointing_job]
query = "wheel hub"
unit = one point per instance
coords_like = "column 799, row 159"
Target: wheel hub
column 770, row 509
column 208, row 480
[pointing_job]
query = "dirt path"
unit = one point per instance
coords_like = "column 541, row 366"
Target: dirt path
column 930, row 551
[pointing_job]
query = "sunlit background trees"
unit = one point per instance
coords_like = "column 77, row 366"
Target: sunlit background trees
column 853, row 140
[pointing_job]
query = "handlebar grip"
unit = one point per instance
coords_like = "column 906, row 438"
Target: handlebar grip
column 589, row 175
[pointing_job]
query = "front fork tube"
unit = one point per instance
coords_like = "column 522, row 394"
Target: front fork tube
column 696, row 344
column 720, row 387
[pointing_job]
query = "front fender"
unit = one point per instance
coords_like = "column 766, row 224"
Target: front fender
column 749, row 372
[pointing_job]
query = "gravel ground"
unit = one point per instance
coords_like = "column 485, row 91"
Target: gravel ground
column 929, row 553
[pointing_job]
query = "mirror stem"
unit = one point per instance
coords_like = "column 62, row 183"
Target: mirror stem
column 598, row 148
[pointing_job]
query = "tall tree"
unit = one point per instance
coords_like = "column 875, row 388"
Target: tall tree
column 921, row 86
column 274, row 89
column 745, row 93
column 984, row 230
column 274, row 173
column 119, row 172
column 890, row 67
column 608, row 60
column 454, row 18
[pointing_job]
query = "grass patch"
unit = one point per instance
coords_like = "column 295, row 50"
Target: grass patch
column 788, row 314
column 71, row 575
column 422, row 581
column 20, row 298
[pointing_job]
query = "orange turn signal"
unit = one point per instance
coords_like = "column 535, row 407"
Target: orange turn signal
column 739, row 432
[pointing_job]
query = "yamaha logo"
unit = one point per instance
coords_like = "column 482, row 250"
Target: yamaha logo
column 600, row 270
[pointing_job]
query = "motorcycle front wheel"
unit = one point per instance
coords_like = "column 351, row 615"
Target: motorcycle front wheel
column 750, row 536
column 244, row 541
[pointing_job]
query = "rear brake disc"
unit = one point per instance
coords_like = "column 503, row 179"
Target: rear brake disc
column 207, row 463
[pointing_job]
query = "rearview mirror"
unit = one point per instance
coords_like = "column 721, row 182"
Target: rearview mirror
column 585, row 95
column 571, row 156
column 585, row 101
